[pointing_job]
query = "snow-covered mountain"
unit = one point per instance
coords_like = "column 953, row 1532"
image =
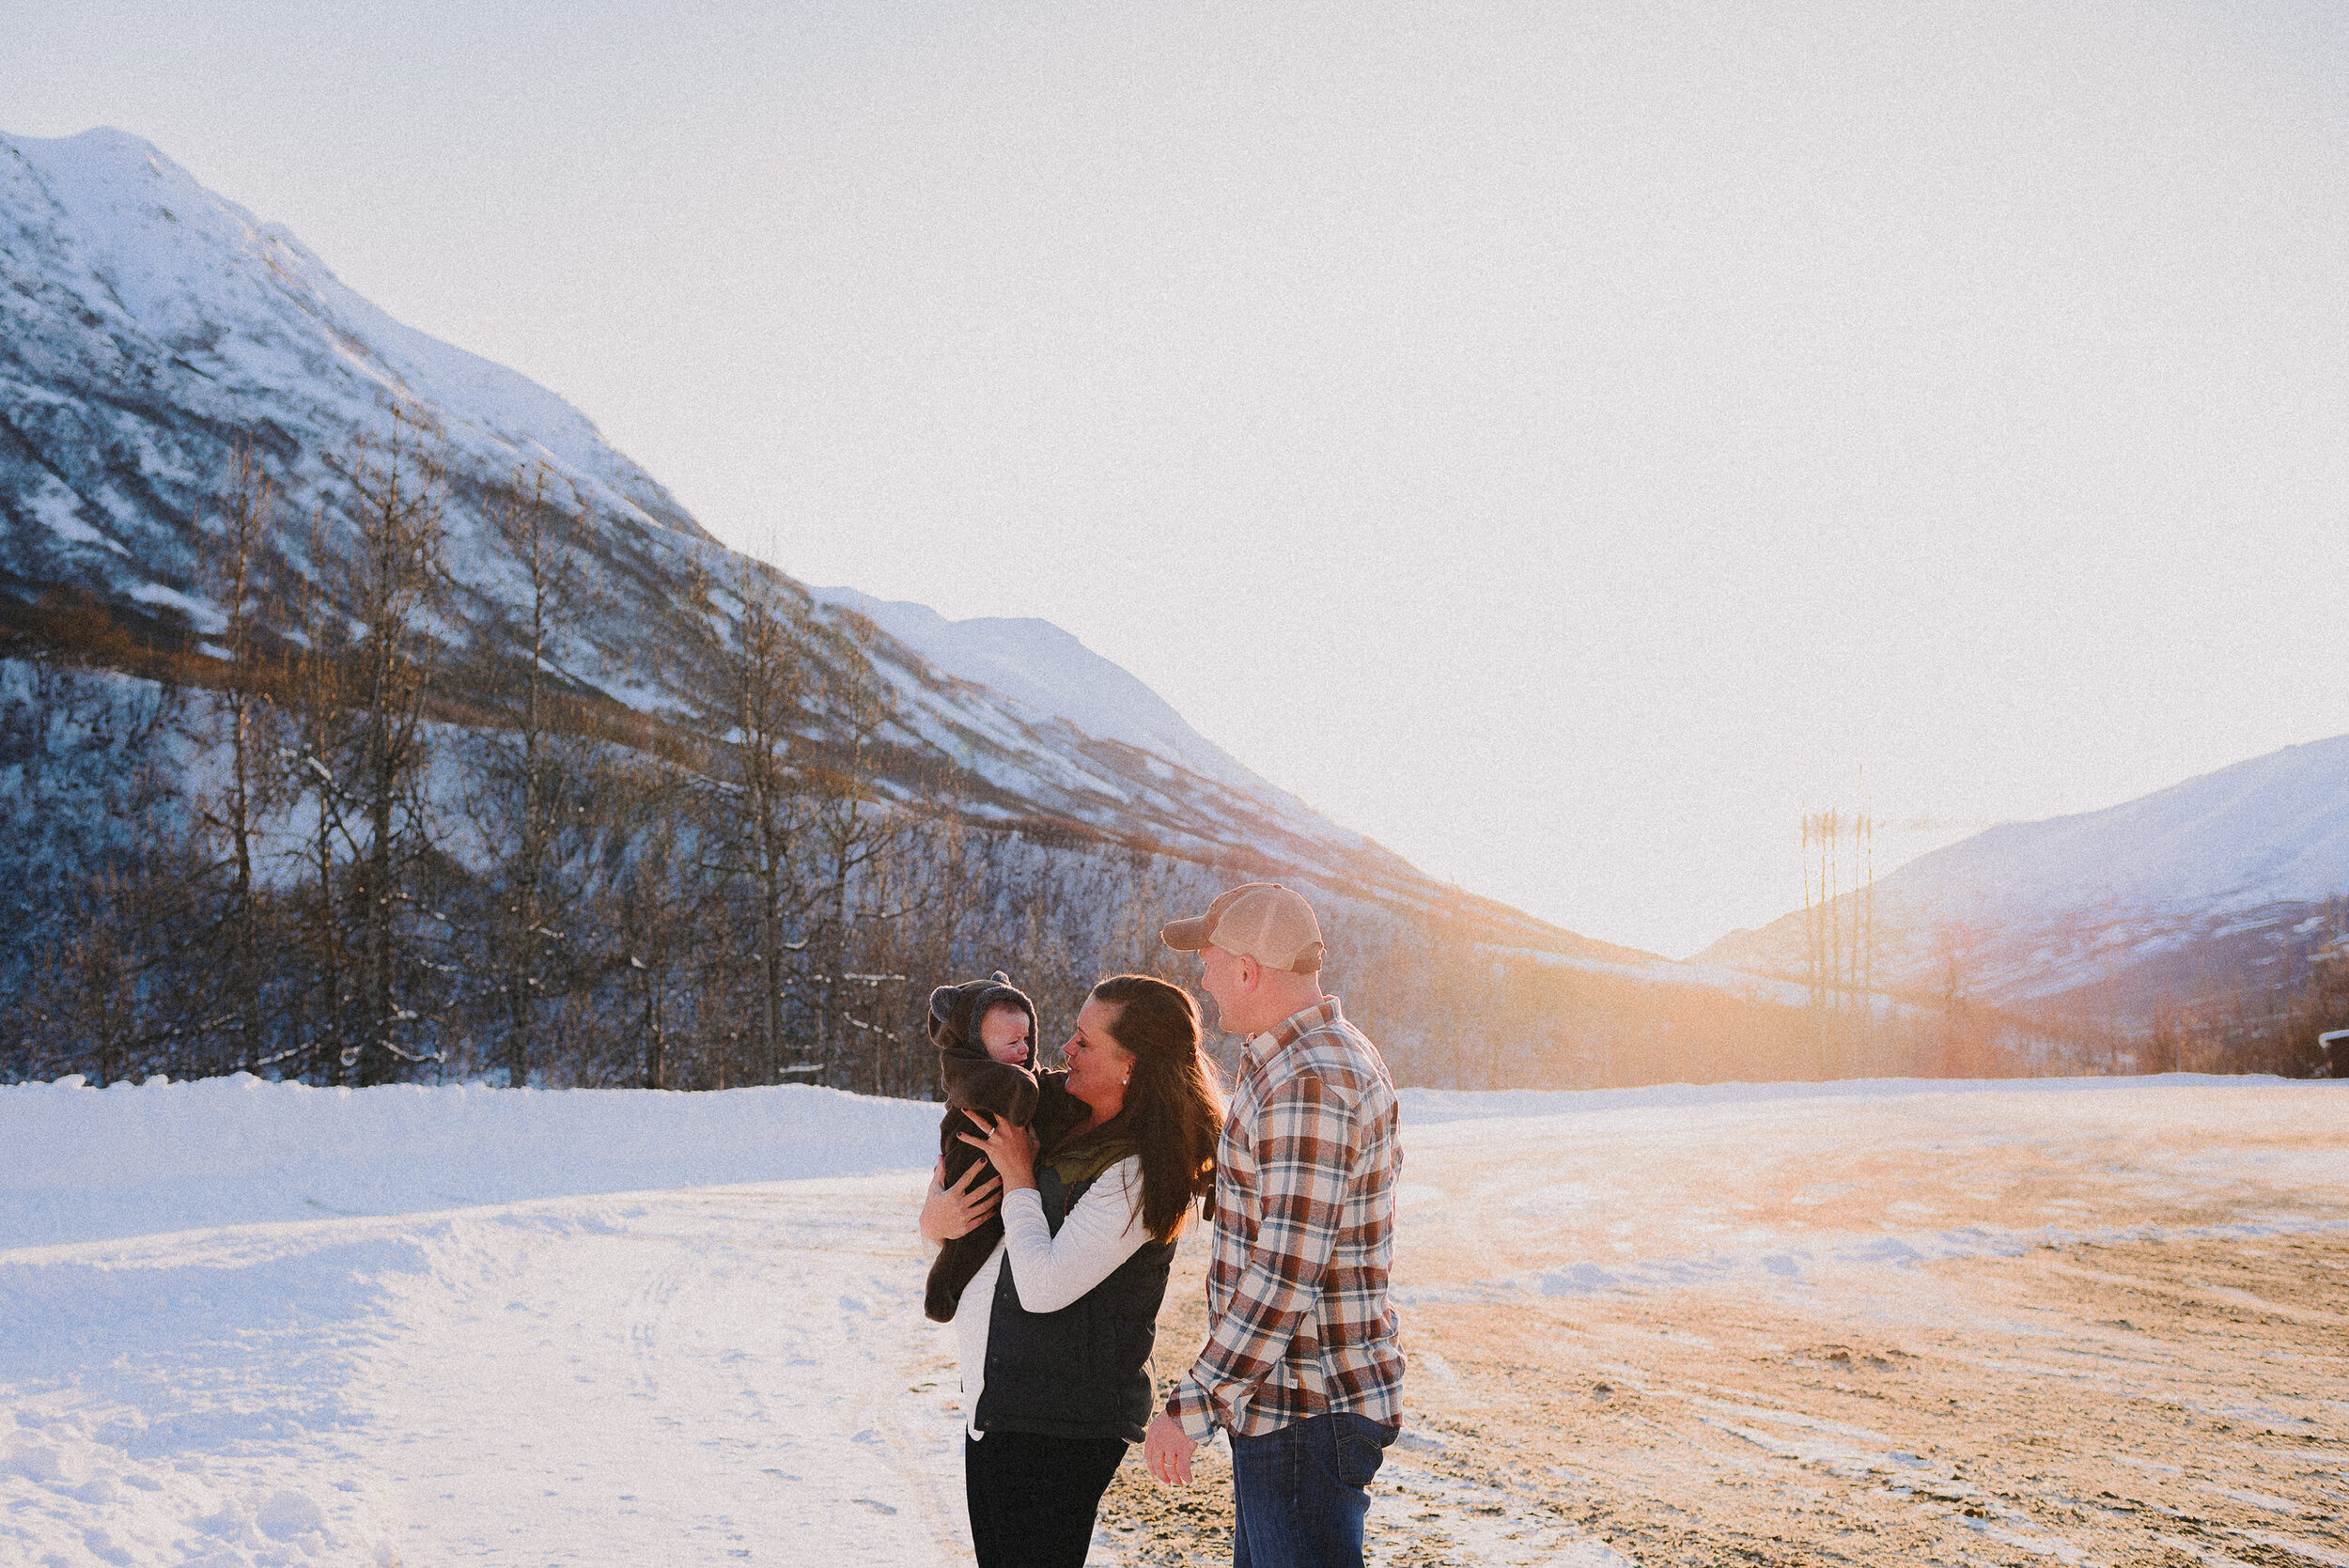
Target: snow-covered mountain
column 1035, row 663
column 148, row 327
column 2222, row 878
column 148, row 318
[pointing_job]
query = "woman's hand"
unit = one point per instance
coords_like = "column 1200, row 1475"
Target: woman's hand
column 952, row 1212
column 1010, row 1148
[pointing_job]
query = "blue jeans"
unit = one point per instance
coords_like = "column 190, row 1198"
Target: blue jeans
column 1298, row 1492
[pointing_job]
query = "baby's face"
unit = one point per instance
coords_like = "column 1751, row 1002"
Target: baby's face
column 1004, row 1034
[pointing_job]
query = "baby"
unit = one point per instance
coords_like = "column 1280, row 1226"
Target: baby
column 985, row 1031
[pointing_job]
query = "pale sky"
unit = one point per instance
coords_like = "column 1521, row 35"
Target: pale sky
column 1564, row 441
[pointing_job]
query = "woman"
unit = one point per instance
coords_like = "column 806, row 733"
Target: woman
column 1056, row 1328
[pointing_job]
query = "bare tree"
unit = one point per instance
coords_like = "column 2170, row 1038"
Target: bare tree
column 99, row 884
column 849, row 844
column 233, row 566
column 86, row 991
column 532, row 771
column 392, row 584
column 937, row 876
column 758, row 694
column 318, row 681
column 660, row 896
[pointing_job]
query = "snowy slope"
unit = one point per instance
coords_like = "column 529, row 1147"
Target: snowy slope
column 2037, row 909
column 1036, row 663
column 2273, row 830
column 148, row 327
column 129, row 279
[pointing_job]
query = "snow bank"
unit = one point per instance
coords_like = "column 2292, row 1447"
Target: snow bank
column 82, row 1164
column 1426, row 1107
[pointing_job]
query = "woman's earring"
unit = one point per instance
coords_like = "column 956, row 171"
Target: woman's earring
column 1128, row 1078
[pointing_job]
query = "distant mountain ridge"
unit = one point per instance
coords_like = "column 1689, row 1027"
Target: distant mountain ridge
column 2221, row 875
column 1035, row 663
column 151, row 327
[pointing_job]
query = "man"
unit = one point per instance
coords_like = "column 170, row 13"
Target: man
column 1300, row 1366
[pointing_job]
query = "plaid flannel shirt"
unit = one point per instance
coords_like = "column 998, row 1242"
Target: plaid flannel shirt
column 1298, row 1319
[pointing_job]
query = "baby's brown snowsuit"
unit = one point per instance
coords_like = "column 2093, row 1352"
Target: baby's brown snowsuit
column 976, row 1081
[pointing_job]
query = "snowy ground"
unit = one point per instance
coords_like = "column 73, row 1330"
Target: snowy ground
column 1892, row 1323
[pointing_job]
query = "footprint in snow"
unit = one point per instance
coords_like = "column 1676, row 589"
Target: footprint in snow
column 876, row 1507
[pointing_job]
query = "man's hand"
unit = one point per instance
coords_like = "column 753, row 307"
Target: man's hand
column 948, row 1212
column 1166, row 1449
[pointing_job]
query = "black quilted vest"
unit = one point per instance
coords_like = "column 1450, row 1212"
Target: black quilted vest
column 1081, row 1372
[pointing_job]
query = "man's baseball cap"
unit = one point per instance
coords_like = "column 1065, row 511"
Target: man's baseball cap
column 1264, row 921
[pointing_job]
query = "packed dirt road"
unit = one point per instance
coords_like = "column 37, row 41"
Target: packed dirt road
column 2026, row 1325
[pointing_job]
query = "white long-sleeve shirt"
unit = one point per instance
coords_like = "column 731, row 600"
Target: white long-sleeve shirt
column 1049, row 1271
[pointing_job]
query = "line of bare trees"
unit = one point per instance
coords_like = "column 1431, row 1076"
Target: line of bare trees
column 379, row 841
column 367, row 852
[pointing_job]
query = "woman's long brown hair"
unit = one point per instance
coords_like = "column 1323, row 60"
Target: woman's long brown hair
column 1175, row 1105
